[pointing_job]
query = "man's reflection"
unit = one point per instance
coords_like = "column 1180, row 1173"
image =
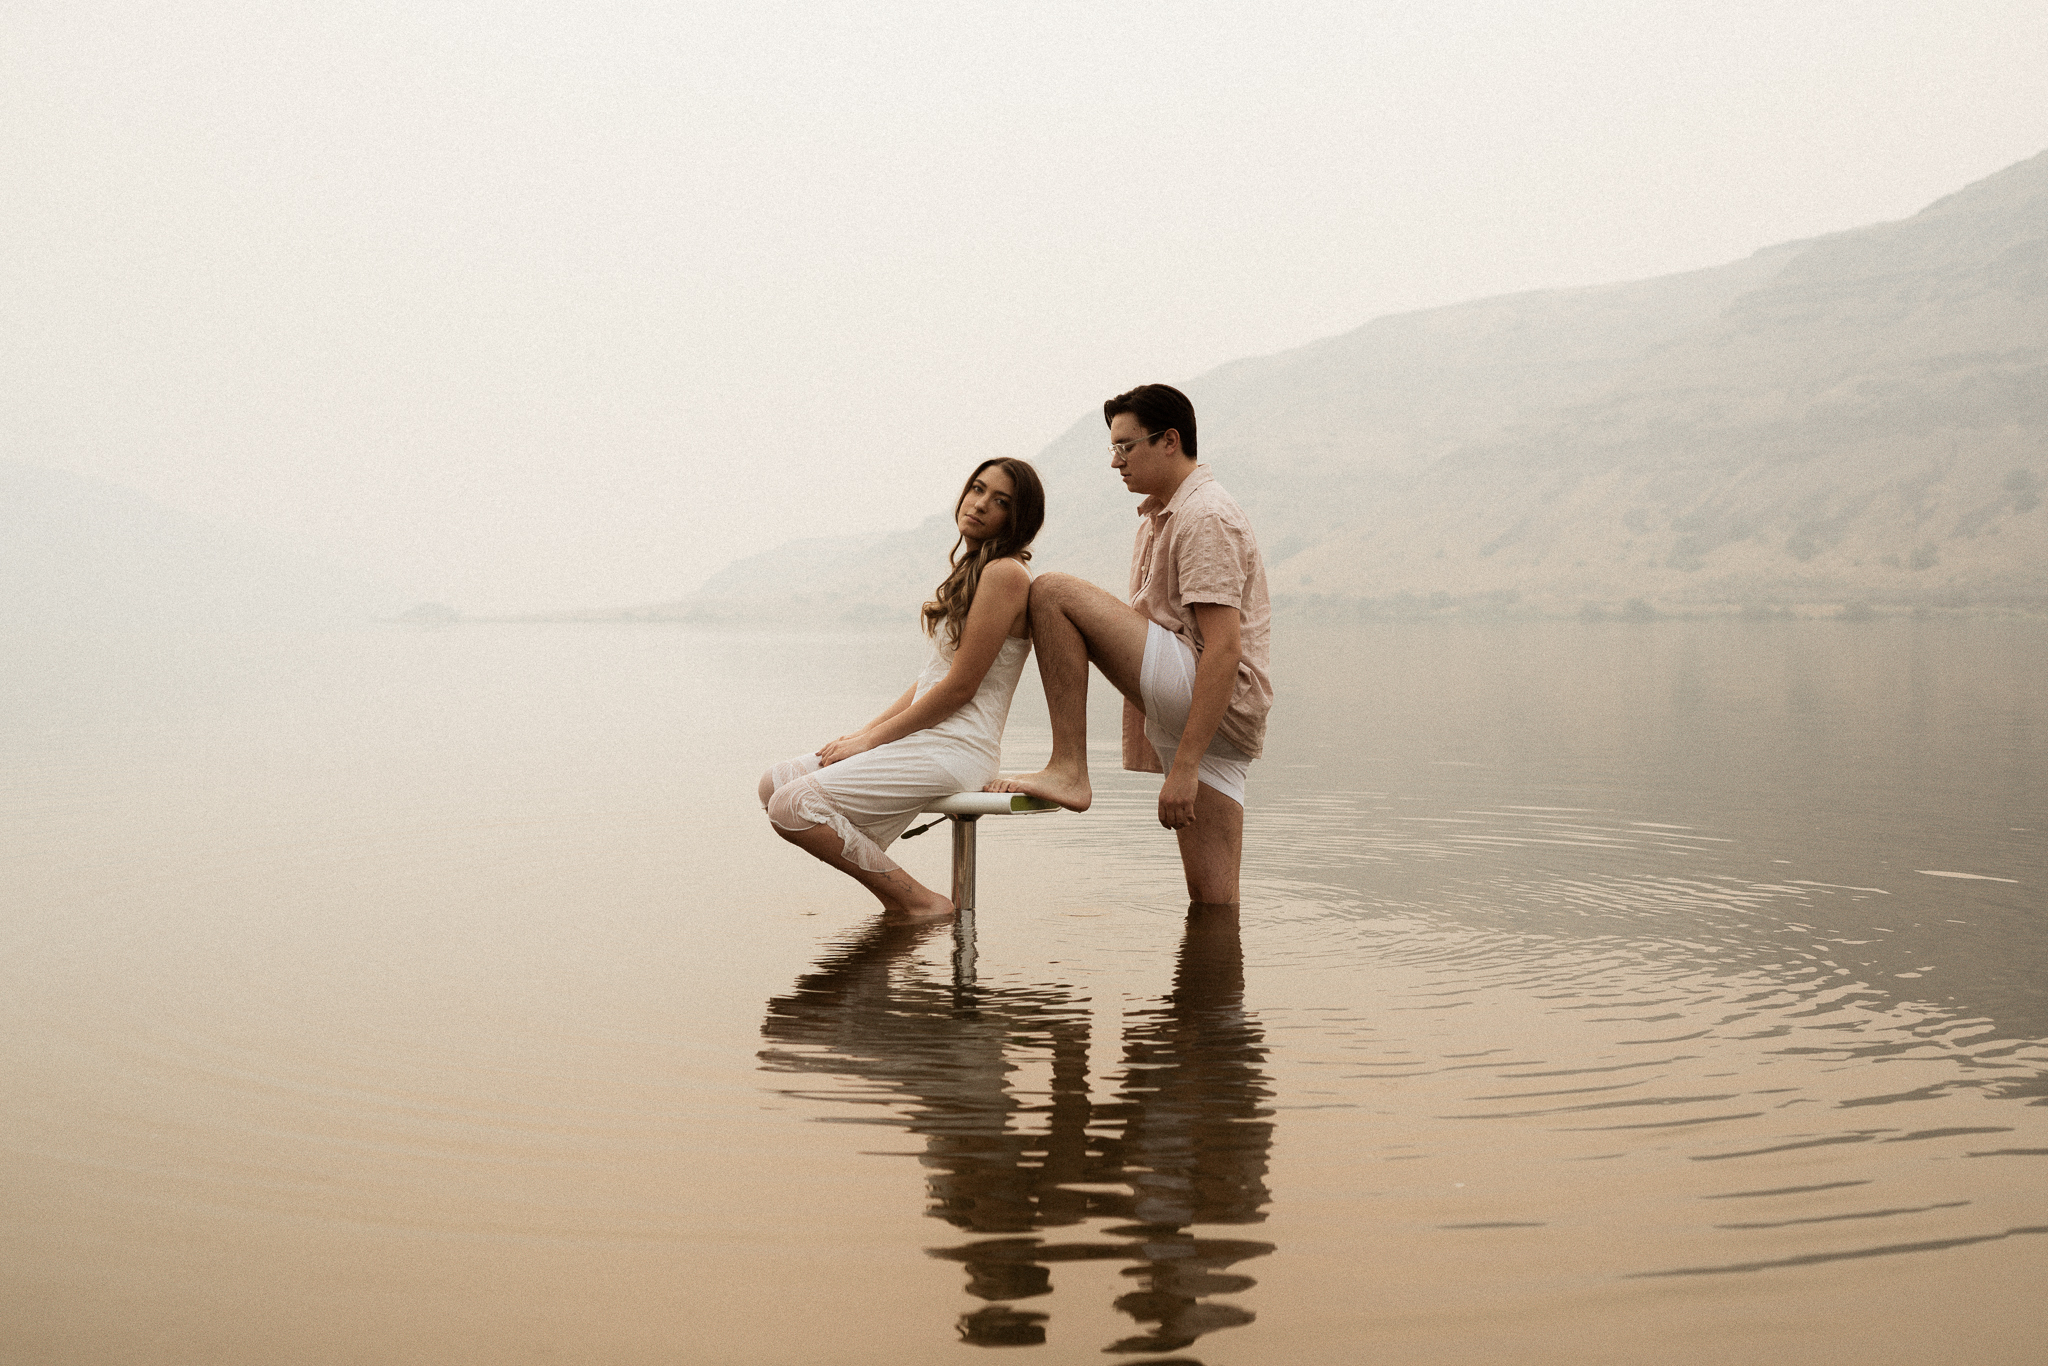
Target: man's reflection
column 1186, row 1135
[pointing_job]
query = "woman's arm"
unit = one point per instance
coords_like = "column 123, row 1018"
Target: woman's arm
column 1005, row 587
column 898, row 705
column 909, row 696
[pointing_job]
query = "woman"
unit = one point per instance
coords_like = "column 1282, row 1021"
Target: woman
column 847, row 802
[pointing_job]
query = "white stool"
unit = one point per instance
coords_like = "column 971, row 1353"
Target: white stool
column 963, row 809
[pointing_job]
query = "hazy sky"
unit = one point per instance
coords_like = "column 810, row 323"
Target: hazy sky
column 525, row 305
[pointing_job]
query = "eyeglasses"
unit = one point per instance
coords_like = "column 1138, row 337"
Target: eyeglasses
column 1119, row 449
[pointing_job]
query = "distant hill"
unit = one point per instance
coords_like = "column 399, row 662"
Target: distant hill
column 1860, row 418
column 76, row 552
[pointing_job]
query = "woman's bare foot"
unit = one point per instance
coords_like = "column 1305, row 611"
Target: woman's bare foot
column 1065, row 786
column 930, row 906
column 903, row 897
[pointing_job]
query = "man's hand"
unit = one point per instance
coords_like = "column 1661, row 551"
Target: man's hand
column 1177, row 798
column 845, row 747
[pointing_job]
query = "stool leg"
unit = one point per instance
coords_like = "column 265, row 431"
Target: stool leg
column 963, row 956
column 963, row 861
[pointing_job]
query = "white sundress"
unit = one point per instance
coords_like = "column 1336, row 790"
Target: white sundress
column 881, row 791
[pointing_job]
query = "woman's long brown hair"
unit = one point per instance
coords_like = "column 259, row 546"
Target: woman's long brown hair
column 955, row 593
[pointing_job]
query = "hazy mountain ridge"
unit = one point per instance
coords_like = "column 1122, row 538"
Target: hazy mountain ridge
column 79, row 552
column 1858, row 417
column 1871, row 422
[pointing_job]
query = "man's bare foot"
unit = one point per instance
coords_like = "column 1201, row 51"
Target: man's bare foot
column 1067, row 787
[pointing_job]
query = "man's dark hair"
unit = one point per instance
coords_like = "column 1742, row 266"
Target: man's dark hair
column 1157, row 407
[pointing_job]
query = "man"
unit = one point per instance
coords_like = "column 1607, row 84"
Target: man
column 1189, row 653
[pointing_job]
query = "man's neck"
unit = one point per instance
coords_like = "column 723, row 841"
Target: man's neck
column 1165, row 495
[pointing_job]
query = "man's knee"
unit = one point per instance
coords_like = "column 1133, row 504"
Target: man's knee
column 1053, row 592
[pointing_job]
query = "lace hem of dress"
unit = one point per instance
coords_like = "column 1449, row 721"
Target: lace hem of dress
column 801, row 803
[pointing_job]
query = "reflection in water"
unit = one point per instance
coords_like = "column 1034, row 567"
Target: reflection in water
column 1183, row 1143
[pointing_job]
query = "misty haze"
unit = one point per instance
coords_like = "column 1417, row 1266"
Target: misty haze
column 450, row 455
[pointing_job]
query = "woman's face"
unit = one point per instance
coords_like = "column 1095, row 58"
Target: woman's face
column 985, row 508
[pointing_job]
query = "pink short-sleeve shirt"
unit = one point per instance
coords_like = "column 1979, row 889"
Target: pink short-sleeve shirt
column 1199, row 547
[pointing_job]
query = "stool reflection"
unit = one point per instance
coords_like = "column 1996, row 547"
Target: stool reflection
column 1183, row 1142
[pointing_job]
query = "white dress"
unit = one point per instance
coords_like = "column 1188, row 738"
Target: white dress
column 881, row 791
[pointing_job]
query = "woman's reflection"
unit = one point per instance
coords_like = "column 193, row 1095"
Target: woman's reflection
column 1186, row 1135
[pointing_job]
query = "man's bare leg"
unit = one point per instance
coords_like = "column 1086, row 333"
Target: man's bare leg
column 901, row 895
column 1212, row 849
column 1074, row 624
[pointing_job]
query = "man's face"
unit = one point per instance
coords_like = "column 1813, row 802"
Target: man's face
column 1148, row 467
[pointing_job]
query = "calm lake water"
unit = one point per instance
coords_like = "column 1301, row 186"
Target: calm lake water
column 1603, row 992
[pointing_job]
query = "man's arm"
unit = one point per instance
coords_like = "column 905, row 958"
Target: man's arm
column 1215, row 681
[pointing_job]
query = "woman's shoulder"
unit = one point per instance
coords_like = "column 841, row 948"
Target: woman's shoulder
column 1004, row 581
column 1008, row 572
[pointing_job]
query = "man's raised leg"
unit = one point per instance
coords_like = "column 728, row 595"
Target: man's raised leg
column 1074, row 624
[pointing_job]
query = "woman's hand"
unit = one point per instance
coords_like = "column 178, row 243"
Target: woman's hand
column 845, row 747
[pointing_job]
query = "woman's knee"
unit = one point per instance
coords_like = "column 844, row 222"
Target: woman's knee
column 785, row 814
column 783, row 774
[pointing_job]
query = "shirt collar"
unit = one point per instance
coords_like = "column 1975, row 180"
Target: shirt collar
column 1197, row 477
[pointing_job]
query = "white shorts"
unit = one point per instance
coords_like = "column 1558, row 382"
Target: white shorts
column 1167, row 684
